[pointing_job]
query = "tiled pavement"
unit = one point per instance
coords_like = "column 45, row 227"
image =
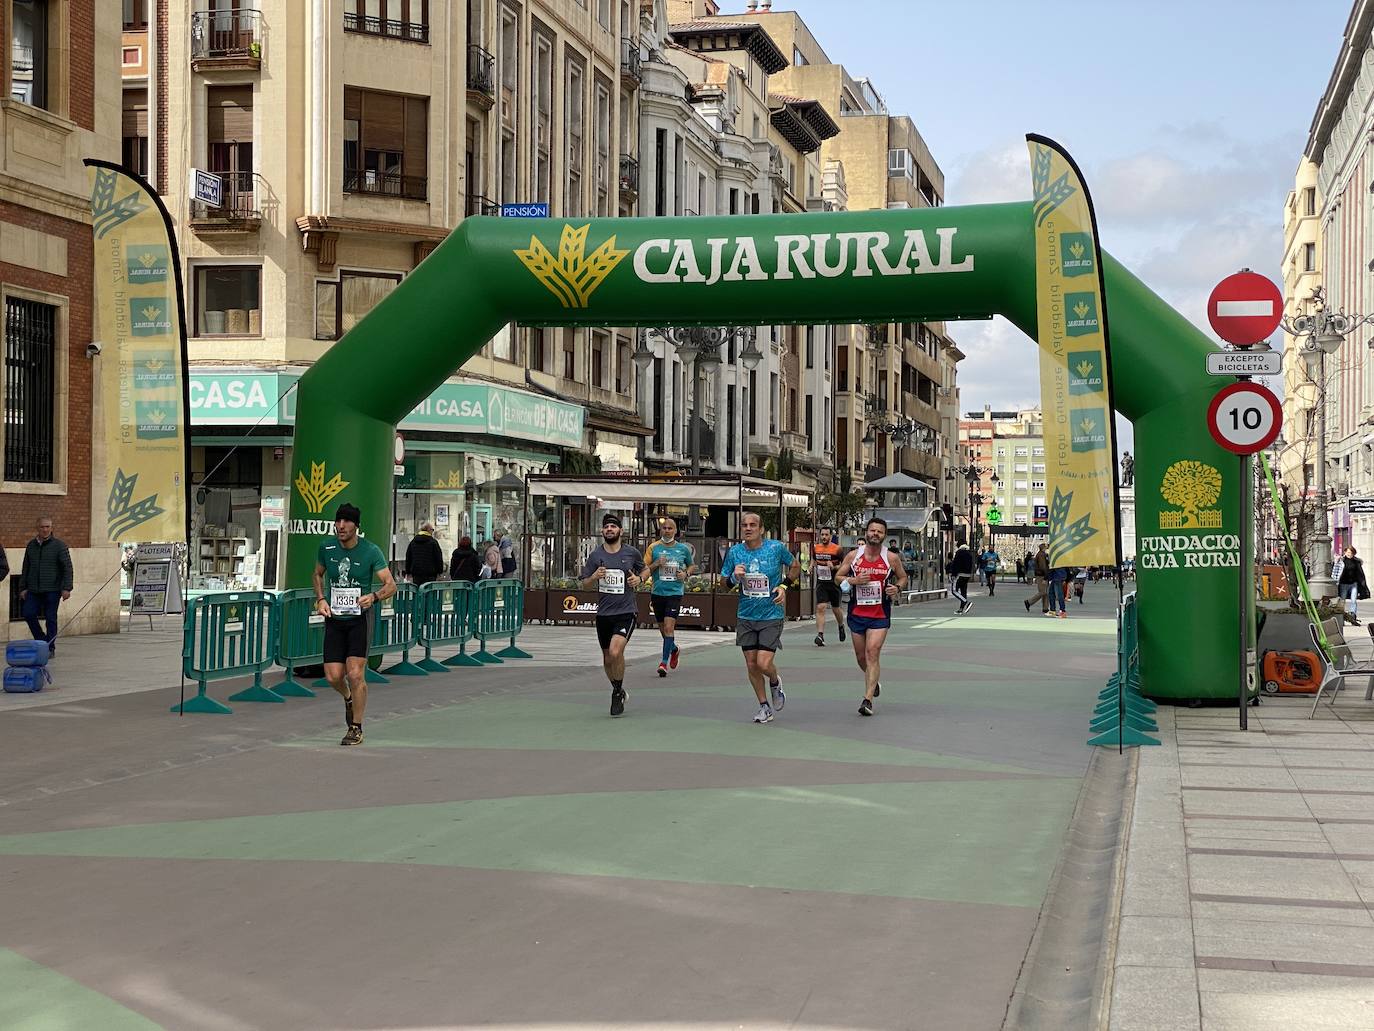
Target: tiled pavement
column 1250, row 872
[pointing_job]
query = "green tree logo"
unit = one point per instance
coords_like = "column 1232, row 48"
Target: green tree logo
column 1194, row 487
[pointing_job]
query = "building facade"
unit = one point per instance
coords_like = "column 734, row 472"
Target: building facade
column 59, row 105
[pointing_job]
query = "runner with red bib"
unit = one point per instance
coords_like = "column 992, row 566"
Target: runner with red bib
column 873, row 576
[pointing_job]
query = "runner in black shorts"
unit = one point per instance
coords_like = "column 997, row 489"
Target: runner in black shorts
column 614, row 571
column 344, row 571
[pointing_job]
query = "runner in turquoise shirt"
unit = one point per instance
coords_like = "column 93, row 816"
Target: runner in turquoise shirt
column 671, row 561
column 759, row 568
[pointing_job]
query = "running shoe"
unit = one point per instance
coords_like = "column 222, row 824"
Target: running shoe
column 775, row 694
column 354, row 735
column 348, row 711
column 1027, row 604
column 842, row 633
column 1063, row 615
column 618, row 702
column 764, row 715
column 663, row 669
column 1049, row 612
column 877, row 690
column 672, row 659
column 820, row 640
column 866, row 707
column 968, row 605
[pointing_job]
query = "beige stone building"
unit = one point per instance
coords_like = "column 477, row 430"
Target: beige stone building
column 350, row 137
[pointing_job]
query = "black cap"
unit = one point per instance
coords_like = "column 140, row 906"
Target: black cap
column 610, row 519
column 349, row 512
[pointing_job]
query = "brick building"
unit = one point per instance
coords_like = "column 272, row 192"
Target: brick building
column 59, row 104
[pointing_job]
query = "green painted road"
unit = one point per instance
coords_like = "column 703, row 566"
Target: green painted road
column 501, row 853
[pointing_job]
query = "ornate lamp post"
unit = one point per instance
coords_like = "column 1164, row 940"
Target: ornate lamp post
column 973, row 477
column 1321, row 333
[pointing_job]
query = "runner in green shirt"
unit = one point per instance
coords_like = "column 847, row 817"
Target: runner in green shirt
column 671, row 561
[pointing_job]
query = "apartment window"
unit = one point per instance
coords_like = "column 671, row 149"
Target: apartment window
column 509, row 56
column 810, row 419
column 603, row 13
column 679, row 174
column 395, row 19
column 29, row 52
column 1039, row 468
column 1309, row 257
column 229, row 134
column 574, row 126
column 135, row 131
column 658, row 405
column 1020, row 503
column 603, row 147
column 810, row 347
column 1039, row 500
column 900, row 163
column 228, row 300
column 624, row 367
column 541, row 172
column 1038, row 452
column 730, row 424
column 798, row 58
column 540, row 358
column 1309, row 201
column 792, row 411
column 31, row 347
column 660, row 171
column 734, row 201
column 1001, row 452
column 753, row 404
column 1037, row 485
column 570, row 353
column 341, row 305
column 135, row 15
column 1022, row 452
column 599, row 360
column 1022, row 467
column 1020, row 485
column 386, row 144
column 773, row 403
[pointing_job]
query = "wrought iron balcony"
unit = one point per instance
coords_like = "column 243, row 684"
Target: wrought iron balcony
column 478, row 205
column 481, row 76
column 240, row 208
column 629, row 175
column 386, row 184
column 411, row 32
column 631, row 72
column 226, row 39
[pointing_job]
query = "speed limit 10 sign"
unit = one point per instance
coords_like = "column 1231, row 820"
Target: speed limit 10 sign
column 1244, row 418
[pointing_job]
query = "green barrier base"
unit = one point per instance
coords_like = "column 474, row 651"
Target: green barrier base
column 430, row 665
column 513, row 652
column 201, row 703
column 371, row 676
column 322, row 682
column 405, row 668
column 1127, row 737
column 462, row 659
column 290, row 688
column 486, row 657
column 256, row 693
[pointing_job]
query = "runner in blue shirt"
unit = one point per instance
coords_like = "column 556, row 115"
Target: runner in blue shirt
column 670, row 561
column 760, row 569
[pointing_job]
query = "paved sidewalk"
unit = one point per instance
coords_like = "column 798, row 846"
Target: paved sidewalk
column 1250, row 872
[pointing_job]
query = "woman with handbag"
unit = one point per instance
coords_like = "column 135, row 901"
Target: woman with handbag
column 1350, row 584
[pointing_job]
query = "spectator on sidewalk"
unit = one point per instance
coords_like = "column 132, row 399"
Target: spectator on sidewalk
column 1038, row 570
column 465, row 564
column 45, row 580
column 424, row 557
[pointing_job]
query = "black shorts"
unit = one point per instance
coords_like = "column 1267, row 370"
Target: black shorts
column 827, row 593
column 608, row 626
column 347, row 638
column 666, row 606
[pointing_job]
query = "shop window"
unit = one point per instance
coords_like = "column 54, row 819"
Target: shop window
column 386, row 144
column 339, row 306
column 31, row 346
column 29, row 52
column 135, row 131
column 228, row 300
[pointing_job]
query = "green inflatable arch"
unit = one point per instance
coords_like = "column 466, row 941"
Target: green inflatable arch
column 845, row 267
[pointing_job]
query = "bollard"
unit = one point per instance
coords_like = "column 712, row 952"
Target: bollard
column 224, row 636
column 499, row 612
column 300, row 639
column 446, row 611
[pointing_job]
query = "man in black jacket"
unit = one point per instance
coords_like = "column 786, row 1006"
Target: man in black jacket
column 44, row 581
column 424, row 557
column 961, row 567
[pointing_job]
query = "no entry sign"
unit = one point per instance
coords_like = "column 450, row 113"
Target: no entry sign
column 1245, row 308
column 1244, row 418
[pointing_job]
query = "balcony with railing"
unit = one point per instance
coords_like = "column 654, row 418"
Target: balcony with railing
column 481, row 77
column 387, row 28
column 239, row 210
column 629, row 176
column 385, row 184
column 476, row 204
column 631, row 73
column 226, row 40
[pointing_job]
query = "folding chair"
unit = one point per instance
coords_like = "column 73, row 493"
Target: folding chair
column 1339, row 665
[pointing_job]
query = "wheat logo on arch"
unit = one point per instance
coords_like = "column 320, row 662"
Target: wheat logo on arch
column 1194, row 487
column 316, row 492
column 574, row 275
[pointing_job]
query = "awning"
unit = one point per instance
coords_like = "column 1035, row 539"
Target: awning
column 898, row 481
column 678, row 491
column 912, row 519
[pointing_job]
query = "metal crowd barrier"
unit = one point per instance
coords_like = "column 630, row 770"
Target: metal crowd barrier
column 396, row 628
column 226, row 636
column 1123, row 715
column 446, row 620
column 498, row 612
column 300, row 639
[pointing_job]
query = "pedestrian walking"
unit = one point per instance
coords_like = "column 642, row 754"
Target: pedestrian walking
column 45, row 581
column 825, row 559
column 671, row 561
column 491, row 563
column 1021, row 570
column 872, row 578
column 1038, row 569
column 961, row 568
column 1059, row 585
column 613, row 570
column 424, row 556
column 507, row 549
column 1080, row 585
column 1350, row 583
column 762, row 570
column 346, row 567
column 465, row 563
column 989, row 561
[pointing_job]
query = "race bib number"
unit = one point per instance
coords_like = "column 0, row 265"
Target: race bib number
column 868, row 594
column 756, row 586
column 343, row 601
column 824, row 573
column 667, row 572
column 613, row 582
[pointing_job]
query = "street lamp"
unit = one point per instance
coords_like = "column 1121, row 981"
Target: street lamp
column 973, row 476
column 699, row 347
column 1322, row 332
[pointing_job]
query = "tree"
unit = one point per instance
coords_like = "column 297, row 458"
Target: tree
column 1191, row 486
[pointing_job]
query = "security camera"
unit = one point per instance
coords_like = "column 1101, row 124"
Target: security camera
column 93, row 349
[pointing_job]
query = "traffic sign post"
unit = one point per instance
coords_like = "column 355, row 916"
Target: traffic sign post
column 1245, row 308
column 1244, row 418
column 1244, row 363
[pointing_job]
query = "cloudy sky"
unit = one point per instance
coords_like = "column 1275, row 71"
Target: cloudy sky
column 1187, row 118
